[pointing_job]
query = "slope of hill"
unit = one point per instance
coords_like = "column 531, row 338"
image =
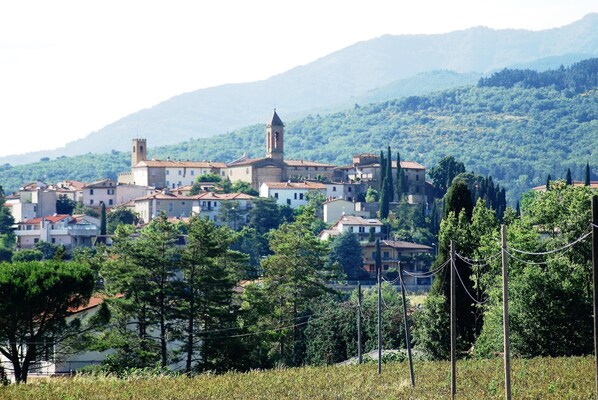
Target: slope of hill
column 335, row 79
column 517, row 134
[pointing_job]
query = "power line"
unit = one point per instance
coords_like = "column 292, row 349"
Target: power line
column 552, row 251
column 465, row 288
column 525, row 261
column 478, row 260
column 427, row 274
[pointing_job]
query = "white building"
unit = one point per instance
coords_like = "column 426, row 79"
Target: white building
column 56, row 229
column 172, row 203
column 96, row 193
column 209, row 205
column 336, row 208
column 293, row 194
column 357, row 225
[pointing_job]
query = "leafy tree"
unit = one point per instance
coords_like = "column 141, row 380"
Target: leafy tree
column 34, row 305
column 120, row 215
column 244, row 187
column 27, row 255
column 443, row 174
column 345, row 250
column 64, row 205
column 48, row 249
column 208, row 178
column 371, row 195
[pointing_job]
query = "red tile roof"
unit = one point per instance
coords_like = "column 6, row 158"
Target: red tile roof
column 180, row 164
column 49, row 218
column 295, row 185
column 224, row 196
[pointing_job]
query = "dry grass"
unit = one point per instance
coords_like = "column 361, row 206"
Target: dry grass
column 542, row 378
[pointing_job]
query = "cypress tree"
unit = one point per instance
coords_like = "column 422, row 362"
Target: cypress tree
column 382, row 187
column 587, row 180
column 569, row 181
column 390, row 187
column 384, row 201
column 548, row 182
column 103, row 220
column 518, row 209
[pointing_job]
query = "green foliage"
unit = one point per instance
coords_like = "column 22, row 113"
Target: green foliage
column 35, row 300
column 345, row 251
column 27, row 255
column 371, row 196
column 118, row 216
column 64, row 205
column 244, row 187
column 384, row 201
column 208, row 178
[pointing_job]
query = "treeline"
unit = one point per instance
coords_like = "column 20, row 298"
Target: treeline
column 578, row 78
column 516, row 135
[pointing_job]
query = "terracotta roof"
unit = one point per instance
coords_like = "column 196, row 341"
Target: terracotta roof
column 180, row 164
column 104, row 183
column 49, row 218
column 94, row 301
column 70, row 185
column 337, row 199
column 399, row 244
column 295, row 185
column 164, row 196
column 353, row 220
column 304, row 163
column 245, row 161
column 224, row 196
column 593, row 185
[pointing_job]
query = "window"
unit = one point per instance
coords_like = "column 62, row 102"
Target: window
column 417, row 177
column 385, row 267
column 110, row 202
column 91, row 202
column 349, row 189
column 35, row 240
column 349, row 198
column 91, row 191
column 167, row 172
column 289, row 202
column 276, row 195
column 53, row 240
column 170, row 207
column 192, row 172
column 180, row 172
column 300, row 196
column 386, row 255
column 295, row 196
column 334, row 188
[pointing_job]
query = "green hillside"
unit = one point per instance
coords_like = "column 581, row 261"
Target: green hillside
column 518, row 134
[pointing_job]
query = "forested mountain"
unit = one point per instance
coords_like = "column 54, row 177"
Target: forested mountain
column 518, row 134
column 381, row 65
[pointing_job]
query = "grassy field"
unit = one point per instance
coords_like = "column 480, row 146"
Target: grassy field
column 542, row 378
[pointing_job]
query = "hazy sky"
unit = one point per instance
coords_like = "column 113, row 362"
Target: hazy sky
column 68, row 68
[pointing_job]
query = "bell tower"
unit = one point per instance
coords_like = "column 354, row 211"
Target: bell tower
column 139, row 152
column 274, row 138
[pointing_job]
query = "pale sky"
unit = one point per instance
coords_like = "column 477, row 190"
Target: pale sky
column 68, row 68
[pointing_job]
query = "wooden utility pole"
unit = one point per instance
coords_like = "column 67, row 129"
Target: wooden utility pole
column 505, row 312
column 453, row 323
column 379, row 271
column 359, row 350
column 595, row 279
column 407, row 338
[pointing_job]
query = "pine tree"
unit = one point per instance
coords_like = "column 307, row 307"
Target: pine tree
column 587, row 178
column 568, row 179
column 390, row 187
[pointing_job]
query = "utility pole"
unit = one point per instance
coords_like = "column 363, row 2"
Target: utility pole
column 595, row 279
column 359, row 350
column 453, row 323
column 407, row 339
column 505, row 311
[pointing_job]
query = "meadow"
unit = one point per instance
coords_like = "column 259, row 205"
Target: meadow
column 539, row 378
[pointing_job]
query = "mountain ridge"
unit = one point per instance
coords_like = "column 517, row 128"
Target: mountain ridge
column 331, row 81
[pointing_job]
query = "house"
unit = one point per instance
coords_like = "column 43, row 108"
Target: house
column 336, row 208
column 412, row 256
column 102, row 191
column 366, row 167
column 31, row 201
column 354, row 224
column 70, row 189
column 172, row 203
column 58, row 229
column 293, row 194
column 209, row 204
column 345, row 190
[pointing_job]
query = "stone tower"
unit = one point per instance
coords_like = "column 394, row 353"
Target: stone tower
column 139, row 152
column 274, row 138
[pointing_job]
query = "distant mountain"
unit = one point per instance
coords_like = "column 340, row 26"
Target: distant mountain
column 516, row 125
column 337, row 79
